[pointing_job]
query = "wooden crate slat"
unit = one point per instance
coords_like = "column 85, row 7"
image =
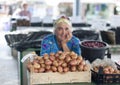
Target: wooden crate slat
column 69, row 77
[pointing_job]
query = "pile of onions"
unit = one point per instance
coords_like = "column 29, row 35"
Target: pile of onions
column 58, row 62
column 107, row 70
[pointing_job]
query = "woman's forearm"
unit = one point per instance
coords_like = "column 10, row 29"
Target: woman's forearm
column 65, row 48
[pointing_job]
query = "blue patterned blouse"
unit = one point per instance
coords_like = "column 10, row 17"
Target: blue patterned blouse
column 49, row 44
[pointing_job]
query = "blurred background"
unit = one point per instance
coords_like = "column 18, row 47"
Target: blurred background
column 84, row 10
column 95, row 19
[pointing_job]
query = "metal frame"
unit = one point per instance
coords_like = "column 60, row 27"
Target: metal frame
column 20, row 64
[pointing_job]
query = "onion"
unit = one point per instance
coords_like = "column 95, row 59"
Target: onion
column 116, row 71
column 72, row 53
column 47, row 67
column 35, row 61
column 66, row 69
column 46, row 56
column 85, row 68
column 62, row 56
column 41, row 61
column 42, row 65
column 49, row 71
column 36, row 70
column 64, row 64
column 55, row 63
column 54, row 69
column 48, row 62
column 74, row 56
column 36, row 65
column 39, row 58
column 60, row 69
column 80, row 67
column 56, row 55
column 41, row 70
column 60, row 62
column 73, row 62
column 73, row 68
column 52, row 58
column 59, row 52
column 79, row 58
column 111, row 70
column 52, row 54
column 82, row 62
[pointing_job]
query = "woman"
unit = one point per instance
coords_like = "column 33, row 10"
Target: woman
column 24, row 11
column 62, row 39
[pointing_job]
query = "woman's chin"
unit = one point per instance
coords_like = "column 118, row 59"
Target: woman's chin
column 62, row 39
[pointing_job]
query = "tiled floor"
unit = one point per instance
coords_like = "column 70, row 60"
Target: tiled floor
column 9, row 67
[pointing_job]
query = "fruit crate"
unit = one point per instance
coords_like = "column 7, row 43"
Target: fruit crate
column 56, row 77
column 105, row 78
column 41, row 71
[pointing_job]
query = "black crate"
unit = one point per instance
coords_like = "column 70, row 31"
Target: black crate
column 105, row 78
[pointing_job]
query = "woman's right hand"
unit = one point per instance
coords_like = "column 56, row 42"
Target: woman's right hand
column 68, row 37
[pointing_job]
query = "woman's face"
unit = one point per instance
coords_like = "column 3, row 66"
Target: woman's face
column 62, row 31
column 25, row 6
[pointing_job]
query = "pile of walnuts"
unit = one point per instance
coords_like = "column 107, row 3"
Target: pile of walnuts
column 58, row 62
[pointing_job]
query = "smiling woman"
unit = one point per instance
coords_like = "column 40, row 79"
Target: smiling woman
column 62, row 39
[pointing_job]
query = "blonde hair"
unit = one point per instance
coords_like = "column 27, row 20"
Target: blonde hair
column 62, row 19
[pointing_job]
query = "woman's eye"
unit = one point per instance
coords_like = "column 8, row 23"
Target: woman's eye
column 59, row 28
column 66, row 28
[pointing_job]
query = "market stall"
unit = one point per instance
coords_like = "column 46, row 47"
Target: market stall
column 42, row 72
column 31, row 42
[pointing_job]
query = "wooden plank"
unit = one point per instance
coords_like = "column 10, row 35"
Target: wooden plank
column 69, row 77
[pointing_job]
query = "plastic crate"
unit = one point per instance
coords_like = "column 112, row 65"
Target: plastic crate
column 105, row 78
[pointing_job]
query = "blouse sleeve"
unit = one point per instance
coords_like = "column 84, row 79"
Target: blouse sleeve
column 76, row 47
column 45, row 47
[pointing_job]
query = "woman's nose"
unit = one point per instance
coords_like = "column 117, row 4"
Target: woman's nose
column 63, row 31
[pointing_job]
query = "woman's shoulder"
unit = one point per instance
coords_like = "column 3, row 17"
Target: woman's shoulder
column 74, row 38
column 49, row 37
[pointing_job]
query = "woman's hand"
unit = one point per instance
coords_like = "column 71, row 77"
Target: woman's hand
column 67, row 38
column 64, row 42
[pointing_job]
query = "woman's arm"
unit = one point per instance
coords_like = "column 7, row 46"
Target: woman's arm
column 48, row 45
column 76, row 46
column 44, row 47
column 64, row 42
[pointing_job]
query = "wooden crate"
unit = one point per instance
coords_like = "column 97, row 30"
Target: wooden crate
column 49, row 78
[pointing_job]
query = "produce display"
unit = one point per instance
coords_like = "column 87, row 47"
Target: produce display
column 58, row 62
column 106, row 69
column 106, row 74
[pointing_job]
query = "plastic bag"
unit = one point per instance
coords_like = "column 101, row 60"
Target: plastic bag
column 14, row 38
column 31, row 40
column 104, row 62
